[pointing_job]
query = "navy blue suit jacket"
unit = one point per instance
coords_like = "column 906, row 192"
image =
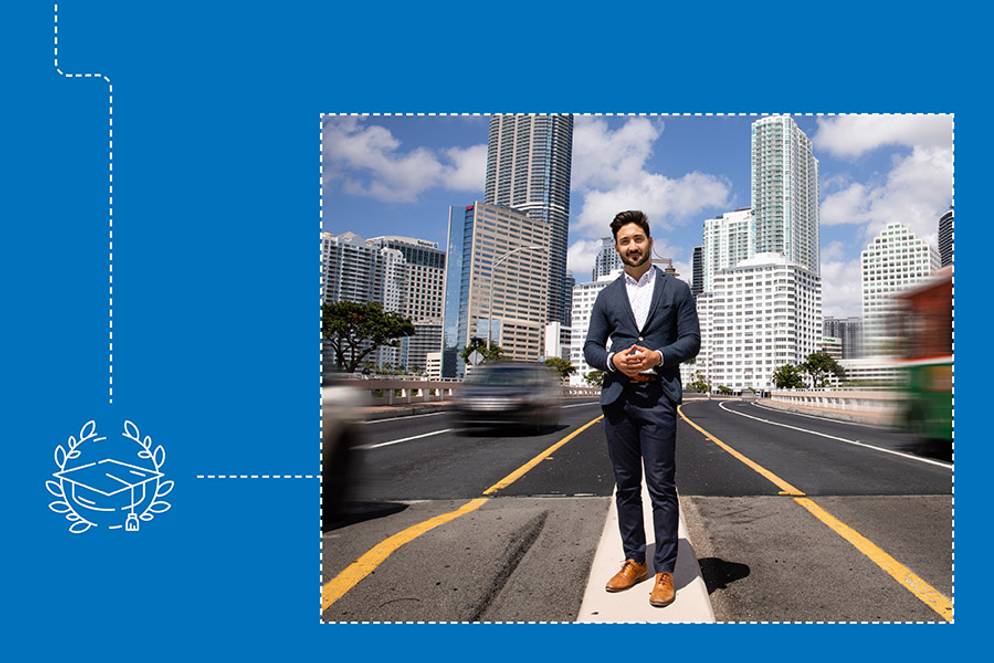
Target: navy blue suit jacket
column 672, row 328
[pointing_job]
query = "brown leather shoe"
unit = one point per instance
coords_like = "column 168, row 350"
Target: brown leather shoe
column 663, row 593
column 631, row 574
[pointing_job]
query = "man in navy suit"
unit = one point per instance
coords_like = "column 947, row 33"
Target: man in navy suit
column 650, row 319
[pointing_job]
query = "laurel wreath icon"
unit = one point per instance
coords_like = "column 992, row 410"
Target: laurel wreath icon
column 78, row 524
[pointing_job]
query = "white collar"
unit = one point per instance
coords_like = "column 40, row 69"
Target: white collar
column 644, row 279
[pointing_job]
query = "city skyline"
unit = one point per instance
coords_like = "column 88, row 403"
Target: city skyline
column 398, row 175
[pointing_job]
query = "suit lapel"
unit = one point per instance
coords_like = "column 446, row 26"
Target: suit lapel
column 622, row 286
column 657, row 294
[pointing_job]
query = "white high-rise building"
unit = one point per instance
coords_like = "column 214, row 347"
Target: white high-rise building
column 702, row 362
column 356, row 270
column 764, row 312
column 422, row 297
column 894, row 261
column 728, row 239
column 785, row 191
column 557, row 339
column 584, row 296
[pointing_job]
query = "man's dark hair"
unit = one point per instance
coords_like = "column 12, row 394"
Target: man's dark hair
column 630, row 216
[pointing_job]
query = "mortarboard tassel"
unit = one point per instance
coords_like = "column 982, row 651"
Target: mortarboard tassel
column 131, row 524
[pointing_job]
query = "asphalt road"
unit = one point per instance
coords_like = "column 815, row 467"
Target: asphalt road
column 526, row 553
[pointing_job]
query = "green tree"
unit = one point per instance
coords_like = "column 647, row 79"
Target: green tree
column 699, row 383
column 354, row 330
column 821, row 366
column 492, row 353
column 594, row 378
column 788, row 376
column 724, row 391
column 564, row 367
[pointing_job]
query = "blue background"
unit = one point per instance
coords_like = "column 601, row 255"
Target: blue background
column 216, row 284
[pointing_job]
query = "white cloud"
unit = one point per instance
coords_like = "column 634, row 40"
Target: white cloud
column 666, row 201
column 604, row 158
column 917, row 190
column 469, row 168
column 609, row 172
column 833, row 251
column 580, row 257
column 369, row 161
column 850, row 136
column 840, row 285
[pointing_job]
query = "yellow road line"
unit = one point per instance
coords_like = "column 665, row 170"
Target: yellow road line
column 785, row 488
column 907, row 578
column 521, row 471
column 928, row 594
column 353, row 574
column 337, row 587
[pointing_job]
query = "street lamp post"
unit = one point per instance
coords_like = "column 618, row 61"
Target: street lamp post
column 493, row 269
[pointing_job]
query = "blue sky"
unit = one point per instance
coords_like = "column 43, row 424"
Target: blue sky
column 399, row 175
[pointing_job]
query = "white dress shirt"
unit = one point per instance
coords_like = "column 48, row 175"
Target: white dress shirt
column 640, row 298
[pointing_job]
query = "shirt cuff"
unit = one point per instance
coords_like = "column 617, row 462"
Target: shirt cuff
column 661, row 357
column 610, row 366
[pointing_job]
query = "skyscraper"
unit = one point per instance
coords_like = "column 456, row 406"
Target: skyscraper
column 946, row 238
column 697, row 283
column 479, row 235
column 785, row 191
column 892, row 262
column 529, row 158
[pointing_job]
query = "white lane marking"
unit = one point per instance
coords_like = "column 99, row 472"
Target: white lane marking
column 407, row 416
column 815, row 416
column 857, row 443
column 435, row 414
column 403, row 439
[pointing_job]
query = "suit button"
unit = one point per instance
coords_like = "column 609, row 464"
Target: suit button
column 640, row 338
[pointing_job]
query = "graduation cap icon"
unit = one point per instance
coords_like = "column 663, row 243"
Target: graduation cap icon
column 109, row 485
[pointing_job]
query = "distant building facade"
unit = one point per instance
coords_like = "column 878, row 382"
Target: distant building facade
column 607, row 260
column 946, row 239
column 480, row 234
column 697, row 282
column 895, row 260
column 728, row 239
column 584, row 295
column 849, row 331
column 765, row 312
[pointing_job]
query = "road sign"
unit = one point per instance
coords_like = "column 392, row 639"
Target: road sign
column 475, row 358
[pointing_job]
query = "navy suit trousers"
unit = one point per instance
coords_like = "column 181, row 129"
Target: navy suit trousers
column 641, row 428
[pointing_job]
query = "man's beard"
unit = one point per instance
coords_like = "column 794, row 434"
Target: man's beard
column 635, row 261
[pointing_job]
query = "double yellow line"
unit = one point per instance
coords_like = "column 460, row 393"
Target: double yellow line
column 354, row 573
column 907, row 578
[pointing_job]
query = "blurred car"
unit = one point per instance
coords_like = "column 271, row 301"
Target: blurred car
column 341, row 405
column 509, row 394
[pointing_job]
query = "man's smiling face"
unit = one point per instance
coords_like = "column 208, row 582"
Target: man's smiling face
column 633, row 245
